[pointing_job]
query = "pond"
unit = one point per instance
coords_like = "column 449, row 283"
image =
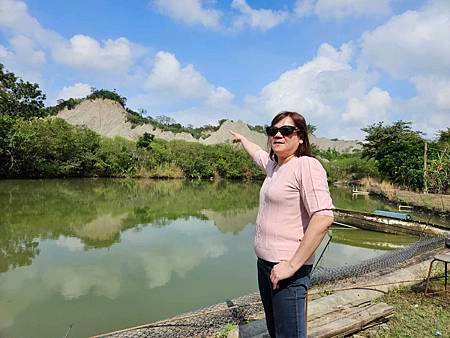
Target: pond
column 106, row 254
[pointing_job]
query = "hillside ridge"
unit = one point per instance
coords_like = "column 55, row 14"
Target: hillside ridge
column 109, row 118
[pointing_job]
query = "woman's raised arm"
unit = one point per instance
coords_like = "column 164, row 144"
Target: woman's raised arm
column 250, row 147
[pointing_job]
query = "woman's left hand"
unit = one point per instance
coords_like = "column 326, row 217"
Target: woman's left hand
column 281, row 271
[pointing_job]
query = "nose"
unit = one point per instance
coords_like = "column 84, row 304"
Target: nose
column 278, row 135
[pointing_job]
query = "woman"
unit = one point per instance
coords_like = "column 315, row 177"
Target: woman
column 294, row 216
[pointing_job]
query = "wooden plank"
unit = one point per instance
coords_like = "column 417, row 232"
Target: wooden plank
column 317, row 313
column 337, row 314
column 352, row 322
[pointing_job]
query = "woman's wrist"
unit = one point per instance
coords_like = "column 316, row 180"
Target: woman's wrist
column 293, row 266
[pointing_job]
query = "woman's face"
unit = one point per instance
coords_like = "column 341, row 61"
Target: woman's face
column 284, row 146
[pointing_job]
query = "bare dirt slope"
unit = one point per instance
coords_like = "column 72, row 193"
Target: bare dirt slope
column 222, row 135
column 108, row 118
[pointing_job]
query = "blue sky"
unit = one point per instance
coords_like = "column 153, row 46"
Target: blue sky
column 343, row 64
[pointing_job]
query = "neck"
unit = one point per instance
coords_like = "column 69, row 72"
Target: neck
column 285, row 159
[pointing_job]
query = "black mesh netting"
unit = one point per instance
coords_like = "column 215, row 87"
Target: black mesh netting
column 210, row 319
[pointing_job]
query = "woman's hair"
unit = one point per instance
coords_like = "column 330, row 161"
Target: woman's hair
column 304, row 149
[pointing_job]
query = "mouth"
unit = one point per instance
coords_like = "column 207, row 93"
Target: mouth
column 277, row 142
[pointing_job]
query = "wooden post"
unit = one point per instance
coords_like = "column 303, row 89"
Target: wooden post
column 425, row 180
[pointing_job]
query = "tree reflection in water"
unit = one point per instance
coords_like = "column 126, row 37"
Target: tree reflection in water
column 97, row 211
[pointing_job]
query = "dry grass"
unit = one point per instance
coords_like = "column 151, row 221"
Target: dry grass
column 436, row 202
column 415, row 315
column 162, row 171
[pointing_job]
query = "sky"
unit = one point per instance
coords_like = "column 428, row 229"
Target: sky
column 343, row 64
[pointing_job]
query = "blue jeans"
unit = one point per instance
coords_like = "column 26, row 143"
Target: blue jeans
column 285, row 307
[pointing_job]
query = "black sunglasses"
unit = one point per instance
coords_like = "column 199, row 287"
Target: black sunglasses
column 284, row 130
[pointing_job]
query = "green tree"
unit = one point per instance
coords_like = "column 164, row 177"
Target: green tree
column 145, row 140
column 438, row 176
column 117, row 157
column 6, row 127
column 18, row 97
column 444, row 137
column 311, row 128
column 167, row 120
column 438, row 173
column 107, row 94
column 51, row 148
column 398, row 151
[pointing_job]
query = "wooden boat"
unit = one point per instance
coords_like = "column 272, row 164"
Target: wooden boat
column 391, row 225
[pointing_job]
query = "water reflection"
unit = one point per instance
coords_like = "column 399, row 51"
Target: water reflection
column 98, row 211
column 190, row 243
column 369, row 239
column 231, row 221
column 107, row 254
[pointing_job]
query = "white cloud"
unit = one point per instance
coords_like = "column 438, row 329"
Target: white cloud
column 425, row 116
column 302, row 88
column 262, row 19
column 169, row 77
column 413, row 43
column 304, row 7
column 414, row 46
column 4, row 52
column 23, row 57
column 82, row 51
column 436, row 91
column 25, row 48
column 430, row 108
column 191, row 12
column 339, row 9
column 323, row 90
column 183, row 93
column 368, row 109
column 196, row 12
column 219, row 95
column 78, row 90
column 15, row 19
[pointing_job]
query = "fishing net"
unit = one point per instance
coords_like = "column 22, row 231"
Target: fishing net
column 381, row 264
column 209, row 320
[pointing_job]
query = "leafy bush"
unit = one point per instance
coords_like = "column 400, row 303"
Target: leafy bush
column 71, row 103
column 107, row 95
column 50, row 148
column 205, row 161
column 346, row 166
column 145, row 140
column 62, row 104
column 117, row 157
column 136, row 119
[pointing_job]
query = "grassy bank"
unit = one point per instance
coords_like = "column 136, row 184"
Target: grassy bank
column 415, row 315
column 439, row 203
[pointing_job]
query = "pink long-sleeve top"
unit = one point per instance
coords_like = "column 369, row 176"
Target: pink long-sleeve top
column 290, row 195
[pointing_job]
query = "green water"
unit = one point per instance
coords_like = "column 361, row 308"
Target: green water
column 104, row 254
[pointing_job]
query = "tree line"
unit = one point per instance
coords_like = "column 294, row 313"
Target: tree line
column 51, row 147
column 35, row 143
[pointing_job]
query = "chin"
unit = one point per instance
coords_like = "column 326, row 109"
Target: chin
column 278, row 153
